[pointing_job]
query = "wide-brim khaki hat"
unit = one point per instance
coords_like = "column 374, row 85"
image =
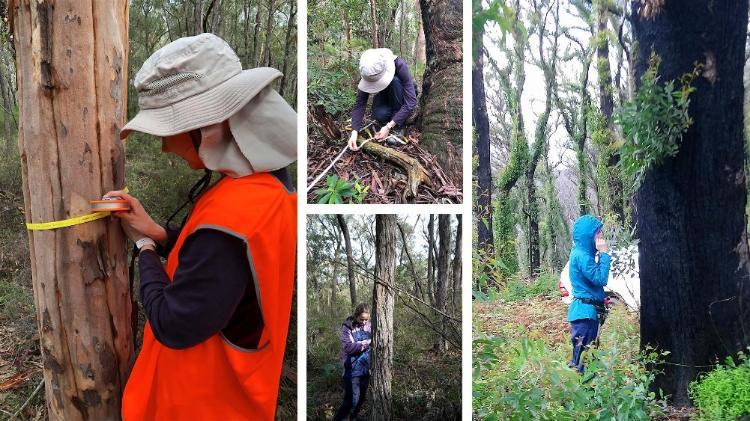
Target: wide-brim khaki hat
column 210, row 107
column 193, row 82
column 377, row 68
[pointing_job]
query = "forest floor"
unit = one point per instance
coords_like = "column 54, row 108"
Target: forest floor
column 20, row 360
column 426, row 384
column 521, row 349
column 386, row 180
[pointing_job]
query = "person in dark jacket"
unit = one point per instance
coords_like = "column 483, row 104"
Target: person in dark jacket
column 387, row 77
column 588, row 277
column 355, row 358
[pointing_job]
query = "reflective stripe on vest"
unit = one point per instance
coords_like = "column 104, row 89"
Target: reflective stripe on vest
column 217, row 379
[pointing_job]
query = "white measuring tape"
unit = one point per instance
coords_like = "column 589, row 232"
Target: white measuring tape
column 328, row 168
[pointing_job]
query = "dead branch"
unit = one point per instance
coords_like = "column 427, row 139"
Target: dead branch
column 415, row 172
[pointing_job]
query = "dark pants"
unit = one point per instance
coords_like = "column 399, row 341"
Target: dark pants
column 355, row 390
column 582, row 333
column 388, row 101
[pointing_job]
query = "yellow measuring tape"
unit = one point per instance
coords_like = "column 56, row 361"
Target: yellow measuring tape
column 64, row 223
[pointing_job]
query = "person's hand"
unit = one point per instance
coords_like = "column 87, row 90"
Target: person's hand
column 353, row 141
column 383, row 133
column 601, row 244
column 136, row 222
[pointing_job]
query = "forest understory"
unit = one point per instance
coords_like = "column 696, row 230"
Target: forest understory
column 521, row 349
column 406, row 174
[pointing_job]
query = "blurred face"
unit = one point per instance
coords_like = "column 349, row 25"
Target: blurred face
column 363, row 318
column 184, row 145
column 598, row 236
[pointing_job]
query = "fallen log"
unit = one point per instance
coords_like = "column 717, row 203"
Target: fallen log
column 415, row 172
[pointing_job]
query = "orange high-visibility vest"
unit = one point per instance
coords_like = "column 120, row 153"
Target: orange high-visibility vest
column 217, row 380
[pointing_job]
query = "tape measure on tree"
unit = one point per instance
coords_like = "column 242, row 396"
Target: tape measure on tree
column 77, row 220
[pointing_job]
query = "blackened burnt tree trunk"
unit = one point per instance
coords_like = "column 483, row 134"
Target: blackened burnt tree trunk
column 382, row 327
column 690, row 211
column 349, row 258
column 483, row 204
column 441, row 103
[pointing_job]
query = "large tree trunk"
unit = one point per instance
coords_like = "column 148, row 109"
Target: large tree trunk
column 690, row 211
column 72, row 78
column 483, row 204
column 349, row 258
column 441, row 102
column 382, row 327
column 441, row 286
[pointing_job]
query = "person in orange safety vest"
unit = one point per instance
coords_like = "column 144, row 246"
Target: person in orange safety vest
column 218, row 312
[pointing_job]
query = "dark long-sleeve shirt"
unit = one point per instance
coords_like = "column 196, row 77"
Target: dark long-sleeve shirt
column 410, row 98
column 212, row 290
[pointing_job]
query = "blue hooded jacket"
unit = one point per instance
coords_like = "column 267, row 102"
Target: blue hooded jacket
column 587, row 276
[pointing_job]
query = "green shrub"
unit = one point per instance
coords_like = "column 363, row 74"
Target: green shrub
column 530, row 380
column 333, row 87
column 653, row 122
column 723, row 393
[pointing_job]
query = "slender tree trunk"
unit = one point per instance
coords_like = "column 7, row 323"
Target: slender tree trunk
column 72, row 85
column 431, row 259
column 441, row 118
column 374, row 25
column 456, row 297
column 690, row 211
column 441, row 286
column 420, row 52
column 269, row 34
column 382, row 305
column 483, row 205
column 256, row 31
column 615, row 202
column 349, row 258
column 288, row 45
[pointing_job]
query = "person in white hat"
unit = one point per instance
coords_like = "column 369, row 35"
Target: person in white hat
column 386, row 76
column 218, row 313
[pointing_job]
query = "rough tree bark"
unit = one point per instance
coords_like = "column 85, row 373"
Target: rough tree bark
column 72, row 76
column 431, row 260
column 441, row 286
column 483, row 204
column 382, row 326
column 441, row 106
column 349, row 258
column 690, row 211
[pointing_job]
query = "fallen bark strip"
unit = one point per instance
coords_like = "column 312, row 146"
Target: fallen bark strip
column 415, row 172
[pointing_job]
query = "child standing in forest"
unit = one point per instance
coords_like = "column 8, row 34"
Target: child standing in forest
column 387, row 77
column 355, row 358
column 588, row 277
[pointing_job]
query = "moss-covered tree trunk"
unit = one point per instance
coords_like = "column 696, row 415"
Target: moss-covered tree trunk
column 72, row 76
column 690, row 211
column 441, row 103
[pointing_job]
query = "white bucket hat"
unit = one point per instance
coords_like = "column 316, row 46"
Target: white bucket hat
column 198, row 81
column 377, row 67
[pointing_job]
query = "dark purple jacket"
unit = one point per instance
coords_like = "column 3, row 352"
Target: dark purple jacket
column 349, row 345
column 410, row 98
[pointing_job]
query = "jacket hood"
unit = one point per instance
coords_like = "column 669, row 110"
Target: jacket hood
column 584, row 231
